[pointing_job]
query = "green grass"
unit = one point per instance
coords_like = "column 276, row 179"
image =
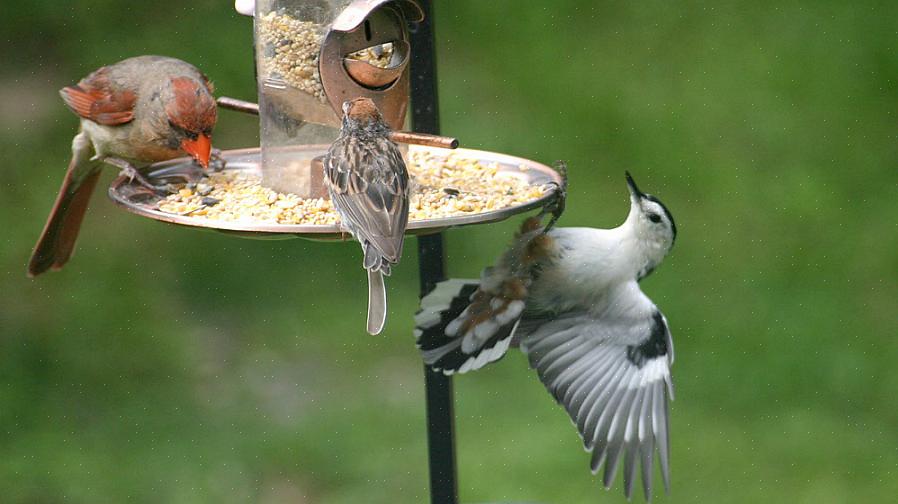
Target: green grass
column 167, row 365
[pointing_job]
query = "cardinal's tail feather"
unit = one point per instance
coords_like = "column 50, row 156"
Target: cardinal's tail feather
column 57, row 240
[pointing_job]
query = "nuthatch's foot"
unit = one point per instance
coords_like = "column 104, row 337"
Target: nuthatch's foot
column 557, row 204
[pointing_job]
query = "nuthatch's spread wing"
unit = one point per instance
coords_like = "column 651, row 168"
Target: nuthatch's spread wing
column 368, row 184
column 465, row 324
column 612, row 375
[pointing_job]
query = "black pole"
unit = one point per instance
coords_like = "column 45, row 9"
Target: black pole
column 431, row 264
column 438, row 391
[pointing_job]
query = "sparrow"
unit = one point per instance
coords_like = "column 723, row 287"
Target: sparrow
column 570, row 299
column 133, row 113
column 368, row 185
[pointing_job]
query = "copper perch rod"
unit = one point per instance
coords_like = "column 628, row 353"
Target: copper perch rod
column 408, row 137
column 238, row 105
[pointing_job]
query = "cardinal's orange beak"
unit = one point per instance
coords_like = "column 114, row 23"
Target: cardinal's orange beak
column 200, row 149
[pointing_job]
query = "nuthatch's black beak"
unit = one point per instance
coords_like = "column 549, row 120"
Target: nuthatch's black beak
column 635, row 193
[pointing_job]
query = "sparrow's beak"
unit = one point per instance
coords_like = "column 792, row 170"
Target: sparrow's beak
column 200, row 149
column 635, row 193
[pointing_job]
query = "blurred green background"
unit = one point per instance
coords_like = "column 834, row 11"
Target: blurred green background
column 170, row 365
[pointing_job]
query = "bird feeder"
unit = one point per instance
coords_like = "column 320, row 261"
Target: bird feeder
column 363, row 49
column 311, row 56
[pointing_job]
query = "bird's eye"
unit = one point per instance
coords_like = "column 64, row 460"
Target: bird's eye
column 654, row 218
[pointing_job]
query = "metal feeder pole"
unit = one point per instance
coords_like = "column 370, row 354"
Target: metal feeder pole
column 431, row 265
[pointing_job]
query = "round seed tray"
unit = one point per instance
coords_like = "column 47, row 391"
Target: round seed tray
column 135, row 199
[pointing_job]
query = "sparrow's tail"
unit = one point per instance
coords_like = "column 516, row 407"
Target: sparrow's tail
column 57, row 241
column 462, row 327
column 377, row 302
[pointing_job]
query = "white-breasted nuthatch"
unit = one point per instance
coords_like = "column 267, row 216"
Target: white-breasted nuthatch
column 570, row 298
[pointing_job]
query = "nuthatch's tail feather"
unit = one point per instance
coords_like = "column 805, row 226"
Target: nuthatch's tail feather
column 377, row 302
column 458, row 329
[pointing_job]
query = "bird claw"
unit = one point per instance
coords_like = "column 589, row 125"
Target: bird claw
column 163, row 189
column 556, row 205
column 133, row 174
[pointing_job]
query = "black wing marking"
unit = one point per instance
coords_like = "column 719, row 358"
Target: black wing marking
column 444, row 352
column 464, row 325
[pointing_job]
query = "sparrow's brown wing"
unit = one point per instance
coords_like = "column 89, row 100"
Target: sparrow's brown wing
column 98, row 98
column 368, row 183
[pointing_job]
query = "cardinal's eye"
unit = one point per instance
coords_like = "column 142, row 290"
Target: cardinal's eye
column 654, row 218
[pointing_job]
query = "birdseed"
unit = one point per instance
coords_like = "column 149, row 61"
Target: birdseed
column 291, row 47
column 442, row 186
column 290, row 50
column 379, row 55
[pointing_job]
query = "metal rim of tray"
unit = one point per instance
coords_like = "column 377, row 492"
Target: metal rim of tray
column 121, row 191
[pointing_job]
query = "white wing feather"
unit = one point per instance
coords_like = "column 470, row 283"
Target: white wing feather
column 611, row 372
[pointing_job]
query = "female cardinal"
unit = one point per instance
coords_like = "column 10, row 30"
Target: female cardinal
column 136, row 112
column 368, row 184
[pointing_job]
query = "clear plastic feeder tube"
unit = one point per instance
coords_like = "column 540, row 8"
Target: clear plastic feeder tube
column 293, row 107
